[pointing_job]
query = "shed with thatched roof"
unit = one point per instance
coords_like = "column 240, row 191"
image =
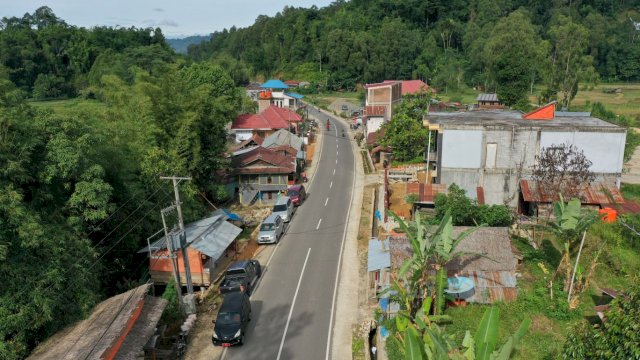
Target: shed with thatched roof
column 492, row 266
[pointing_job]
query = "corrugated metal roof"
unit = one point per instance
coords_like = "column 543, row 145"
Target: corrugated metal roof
column 492, row 286
column 487, row 97
column 592, row 194
column 275, row 84
column 379, row 256
column 215, row 231
column 294, row 95
column 216, row 239
column 283, row 137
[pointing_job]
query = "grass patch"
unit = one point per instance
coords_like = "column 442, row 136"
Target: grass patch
column 551, row 319
column 368, row 168
column 631, row 191
column 464, row 95
column 357, row 346
column 626, row 103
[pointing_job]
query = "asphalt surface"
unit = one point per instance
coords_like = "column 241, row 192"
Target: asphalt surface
column 293, row 305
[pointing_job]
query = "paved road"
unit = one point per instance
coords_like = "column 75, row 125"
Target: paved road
column 294, row 303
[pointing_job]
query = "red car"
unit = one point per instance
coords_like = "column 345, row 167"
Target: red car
column 297, row 193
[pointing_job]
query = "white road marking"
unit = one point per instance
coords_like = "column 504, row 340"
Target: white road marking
column 319, row 222
column 331, row 185
column 295, row 295
column 336, row 153
column 336, row 146
column 336, row 161
column 334, row 171
column 335, row 286
column 326, row 201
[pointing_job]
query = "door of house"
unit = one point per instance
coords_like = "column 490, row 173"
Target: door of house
column 492, row 150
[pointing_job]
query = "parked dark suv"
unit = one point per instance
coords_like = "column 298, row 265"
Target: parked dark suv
column 241, row 276
column 232, row 320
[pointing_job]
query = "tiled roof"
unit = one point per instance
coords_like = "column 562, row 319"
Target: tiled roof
column 374, row 136
column 592, row 194
column 277, row 114
column 251, row 122
column 410, row 87
column 277, row 163
column 270, row 118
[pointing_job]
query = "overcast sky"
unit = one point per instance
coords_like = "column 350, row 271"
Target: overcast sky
column 175, row 17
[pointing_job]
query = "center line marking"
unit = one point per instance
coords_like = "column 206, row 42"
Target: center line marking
column 334, row 171
column 326, row 201
column 319, row 221
column 336, row 152
column 286, row 327
column 331, row 185
column 336, row 161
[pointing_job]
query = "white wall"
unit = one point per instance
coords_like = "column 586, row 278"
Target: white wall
column 374, row 124
column 605, row 150
column 461, row 149
column 242, row 135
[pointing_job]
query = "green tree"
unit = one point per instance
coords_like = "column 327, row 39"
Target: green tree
column 616, row 338
column 514, row 53
column 406, row 136
column 569, row 65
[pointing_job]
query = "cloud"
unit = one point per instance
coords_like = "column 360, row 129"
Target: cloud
column 165, row 22
column 158, row 9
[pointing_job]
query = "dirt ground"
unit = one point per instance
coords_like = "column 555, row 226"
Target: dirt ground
column 631, row 174
column 397, row 202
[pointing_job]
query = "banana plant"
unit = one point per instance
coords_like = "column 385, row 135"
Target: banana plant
column 430, row 245
column 433, row 343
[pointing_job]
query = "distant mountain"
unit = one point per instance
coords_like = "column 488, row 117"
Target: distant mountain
column 181, row 45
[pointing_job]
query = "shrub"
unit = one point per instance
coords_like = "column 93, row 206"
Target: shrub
column 467, row 212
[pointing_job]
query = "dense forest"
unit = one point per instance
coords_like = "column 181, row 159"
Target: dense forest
column 504, row 45
column 80, row 191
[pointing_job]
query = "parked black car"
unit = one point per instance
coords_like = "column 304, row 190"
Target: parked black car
column 231, row 323
column 241, row 276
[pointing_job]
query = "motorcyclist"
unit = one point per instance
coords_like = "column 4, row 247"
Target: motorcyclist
column 328, row 124
column 342, row 132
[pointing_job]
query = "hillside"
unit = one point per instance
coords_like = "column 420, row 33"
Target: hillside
column 181, row 45
column 504, row 45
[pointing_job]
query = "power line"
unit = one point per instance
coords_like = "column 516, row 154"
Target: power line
column 108, row 250
column 28, row 287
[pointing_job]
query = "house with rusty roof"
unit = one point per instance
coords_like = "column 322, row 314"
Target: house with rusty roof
column 494, row 149
column 268, row 121
column 263, row 173
column 491, row 263
column 534, row 201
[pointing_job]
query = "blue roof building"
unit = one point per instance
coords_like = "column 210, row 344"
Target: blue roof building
column 274, row 84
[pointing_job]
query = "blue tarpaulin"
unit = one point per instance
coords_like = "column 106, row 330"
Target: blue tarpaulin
column 232, row 216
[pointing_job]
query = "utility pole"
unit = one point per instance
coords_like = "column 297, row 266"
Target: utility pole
column 183, row 234
column 172, row 258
